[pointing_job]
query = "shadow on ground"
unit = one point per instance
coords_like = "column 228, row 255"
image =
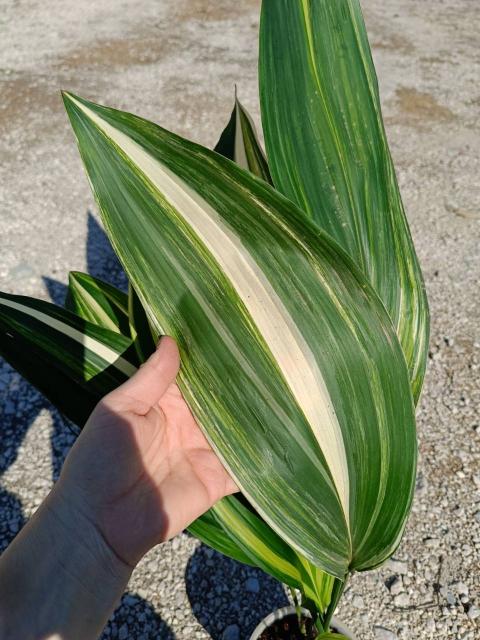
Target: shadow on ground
column 134, row 617
column 224, row 593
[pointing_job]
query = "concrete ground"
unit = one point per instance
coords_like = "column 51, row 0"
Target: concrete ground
column 176, row 63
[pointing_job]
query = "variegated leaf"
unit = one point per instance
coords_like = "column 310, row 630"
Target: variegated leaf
column 289, row 360
column 98, row 302
column 328, row 151
column 269, row 552
column 74, row 363
column 239, row 142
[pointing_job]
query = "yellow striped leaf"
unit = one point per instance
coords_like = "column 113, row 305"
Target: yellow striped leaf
column 328, row 151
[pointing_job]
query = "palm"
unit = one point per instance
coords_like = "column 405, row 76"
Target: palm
column 151, row 470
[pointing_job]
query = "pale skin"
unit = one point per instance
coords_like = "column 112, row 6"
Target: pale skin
column 139, row 473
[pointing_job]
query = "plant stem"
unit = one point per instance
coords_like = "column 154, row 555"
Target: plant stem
column 337, row 591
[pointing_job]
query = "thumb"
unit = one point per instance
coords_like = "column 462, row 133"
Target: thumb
column 145, row 388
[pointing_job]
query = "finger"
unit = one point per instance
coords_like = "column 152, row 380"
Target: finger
column 146, row 387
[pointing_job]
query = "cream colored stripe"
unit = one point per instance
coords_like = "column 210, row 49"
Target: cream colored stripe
column 109, row 355
column 288, row 347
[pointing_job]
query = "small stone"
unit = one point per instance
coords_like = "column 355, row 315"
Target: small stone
column 358, row 602
column 430, row 625
column 252, row 585
column 14, row 526
column 381, row 633
column 473, row 612
column 460, row 588
column 152, row 566
column 396, row 586
column 232, row 632
column 397, row 566
column 9, row 407
column 448, row 595
column 401, row 600
column 129, row 600
column 123, row 632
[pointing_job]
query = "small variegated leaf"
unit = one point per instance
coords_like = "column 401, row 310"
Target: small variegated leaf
column 290, row 363
column 74, row 363
column 98, row 302
column 239, row 142
column 269, row 552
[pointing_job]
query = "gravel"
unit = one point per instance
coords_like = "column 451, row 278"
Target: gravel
column 177, row 63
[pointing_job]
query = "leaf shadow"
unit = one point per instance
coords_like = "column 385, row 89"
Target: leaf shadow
column 102, row 261
column 223, row 592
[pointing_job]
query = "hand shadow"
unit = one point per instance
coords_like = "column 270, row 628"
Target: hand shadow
column 223, row 592
column 136, row 618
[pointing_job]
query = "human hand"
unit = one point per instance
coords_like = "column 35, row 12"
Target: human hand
column 141, row 470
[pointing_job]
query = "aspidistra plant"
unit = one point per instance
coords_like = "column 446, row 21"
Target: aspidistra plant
column 292, row 288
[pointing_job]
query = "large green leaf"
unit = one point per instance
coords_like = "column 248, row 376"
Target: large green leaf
column 289, row 361
column 239, row 142
column 74, row 363
column 328, row 152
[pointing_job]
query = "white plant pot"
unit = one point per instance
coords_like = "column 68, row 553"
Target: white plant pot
column 286, row 611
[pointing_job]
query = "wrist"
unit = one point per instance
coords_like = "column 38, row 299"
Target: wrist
column 58, row 578
column 91, row 561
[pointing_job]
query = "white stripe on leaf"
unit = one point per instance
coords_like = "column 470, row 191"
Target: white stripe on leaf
column 288, row 347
